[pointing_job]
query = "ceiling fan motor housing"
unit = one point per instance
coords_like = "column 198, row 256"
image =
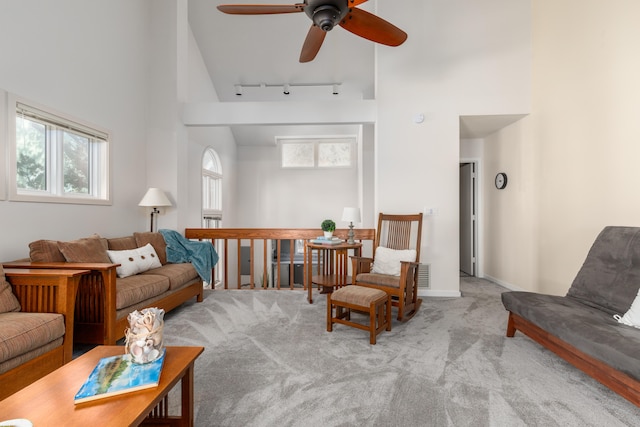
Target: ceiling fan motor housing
column 326, row 13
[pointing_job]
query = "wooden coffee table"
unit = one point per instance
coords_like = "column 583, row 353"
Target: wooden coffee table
column 49, row 401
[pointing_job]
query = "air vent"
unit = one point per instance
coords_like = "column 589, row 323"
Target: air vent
column 424, row 276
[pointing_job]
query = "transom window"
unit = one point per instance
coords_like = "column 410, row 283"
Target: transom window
column 57, row 159
column 326, row 152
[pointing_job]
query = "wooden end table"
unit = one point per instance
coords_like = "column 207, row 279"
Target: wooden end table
column 49, row 401
column 332, row 267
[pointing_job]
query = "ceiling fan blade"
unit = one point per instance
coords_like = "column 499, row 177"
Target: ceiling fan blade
column 369, row 26
column 312, row 43
column 260, row 9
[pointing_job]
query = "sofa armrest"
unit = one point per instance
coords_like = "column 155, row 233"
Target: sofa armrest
column 48, row 291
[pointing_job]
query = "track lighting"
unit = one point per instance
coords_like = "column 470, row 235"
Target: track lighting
column 286, row 87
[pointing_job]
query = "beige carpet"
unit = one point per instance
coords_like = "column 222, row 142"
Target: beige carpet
column 269, row 361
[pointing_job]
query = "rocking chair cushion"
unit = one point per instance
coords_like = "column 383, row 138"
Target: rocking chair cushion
column 387, row 261
column 378, row 279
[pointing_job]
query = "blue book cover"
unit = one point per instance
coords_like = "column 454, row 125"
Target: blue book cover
column 118, row 374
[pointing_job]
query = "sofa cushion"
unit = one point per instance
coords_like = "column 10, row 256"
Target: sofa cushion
column 134, row 261
column 156, row 240
column 588, row 329
column 134, row 289
column 8, row 301
column 24, row 332
column 45, row 251
column 91, row 249
column 610, row 278
column 122, row 243
column 178, row 274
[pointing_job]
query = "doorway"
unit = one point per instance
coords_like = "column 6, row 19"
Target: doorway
column 468, row 218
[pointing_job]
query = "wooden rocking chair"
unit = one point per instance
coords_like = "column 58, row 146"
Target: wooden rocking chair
column 398, row 236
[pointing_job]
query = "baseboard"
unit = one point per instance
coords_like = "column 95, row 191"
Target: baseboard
column 507, row 285
column 438, row 293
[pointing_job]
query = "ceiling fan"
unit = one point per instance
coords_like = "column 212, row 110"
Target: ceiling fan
column 326, row 14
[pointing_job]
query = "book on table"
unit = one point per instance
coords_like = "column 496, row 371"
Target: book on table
column 117, row 375
column 327, row 241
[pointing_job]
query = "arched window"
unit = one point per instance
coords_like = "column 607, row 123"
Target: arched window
column 211, row 189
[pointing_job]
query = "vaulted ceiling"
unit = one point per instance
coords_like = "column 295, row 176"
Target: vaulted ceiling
column 262, row 53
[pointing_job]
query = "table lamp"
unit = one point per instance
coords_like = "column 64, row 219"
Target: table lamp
column 154, row 198
column 351, row 215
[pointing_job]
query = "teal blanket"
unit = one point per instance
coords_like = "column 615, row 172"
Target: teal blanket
column 202, row 255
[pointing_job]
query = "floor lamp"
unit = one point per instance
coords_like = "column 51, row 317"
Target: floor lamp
column 154, row 198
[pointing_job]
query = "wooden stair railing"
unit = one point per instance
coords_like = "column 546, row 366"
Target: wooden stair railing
column 221, row 237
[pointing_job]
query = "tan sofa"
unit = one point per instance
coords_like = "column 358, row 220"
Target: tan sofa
column 104, row 300
column 36, row 324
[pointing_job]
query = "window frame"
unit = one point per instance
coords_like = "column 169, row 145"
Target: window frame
column 317, row 141
column 99, row 156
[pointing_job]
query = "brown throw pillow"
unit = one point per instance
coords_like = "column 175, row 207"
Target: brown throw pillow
column 91, row 249
column 45, row 251
column 122, row 243
column 156, row 240
column 8, row 301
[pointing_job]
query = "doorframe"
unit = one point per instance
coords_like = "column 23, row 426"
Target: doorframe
column 479, row 230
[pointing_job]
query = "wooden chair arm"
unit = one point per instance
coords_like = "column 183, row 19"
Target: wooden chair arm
column 361, row 264
column 99, row 266
column 408, row 273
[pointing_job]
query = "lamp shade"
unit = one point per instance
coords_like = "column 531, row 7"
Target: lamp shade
column 155, row 197
column 351, row 215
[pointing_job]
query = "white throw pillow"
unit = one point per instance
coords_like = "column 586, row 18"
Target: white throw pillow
column 135, row 261
column 387, row 261
column 632, row 316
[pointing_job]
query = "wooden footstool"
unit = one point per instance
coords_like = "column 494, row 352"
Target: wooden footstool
column 373, row 301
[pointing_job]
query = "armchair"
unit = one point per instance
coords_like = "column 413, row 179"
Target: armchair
column 394, row 265
column 36, row 324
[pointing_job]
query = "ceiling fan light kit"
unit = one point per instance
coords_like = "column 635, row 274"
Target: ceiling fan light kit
column 326, row 14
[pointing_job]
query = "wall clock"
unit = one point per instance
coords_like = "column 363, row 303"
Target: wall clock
column 501, row 180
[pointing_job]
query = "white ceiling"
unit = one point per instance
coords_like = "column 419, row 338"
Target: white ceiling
column 264, row 50
column 254, row 49
column 483, row 126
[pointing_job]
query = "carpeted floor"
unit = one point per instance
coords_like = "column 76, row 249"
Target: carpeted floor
column 269, row 361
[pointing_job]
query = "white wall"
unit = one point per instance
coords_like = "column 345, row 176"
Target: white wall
column 271, row 196
column 452, row 64
column 89, row 60
column 219, row 138
column 574, row 159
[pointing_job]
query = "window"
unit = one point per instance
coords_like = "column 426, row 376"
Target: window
column 329, row 152
column 57, row 159
column 211, row 189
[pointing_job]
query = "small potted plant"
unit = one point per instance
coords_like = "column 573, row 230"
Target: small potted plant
column 328, row 226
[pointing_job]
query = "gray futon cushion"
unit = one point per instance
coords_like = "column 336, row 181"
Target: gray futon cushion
column 610, row 276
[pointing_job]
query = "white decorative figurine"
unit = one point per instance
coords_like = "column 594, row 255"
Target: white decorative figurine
column 144, row 337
